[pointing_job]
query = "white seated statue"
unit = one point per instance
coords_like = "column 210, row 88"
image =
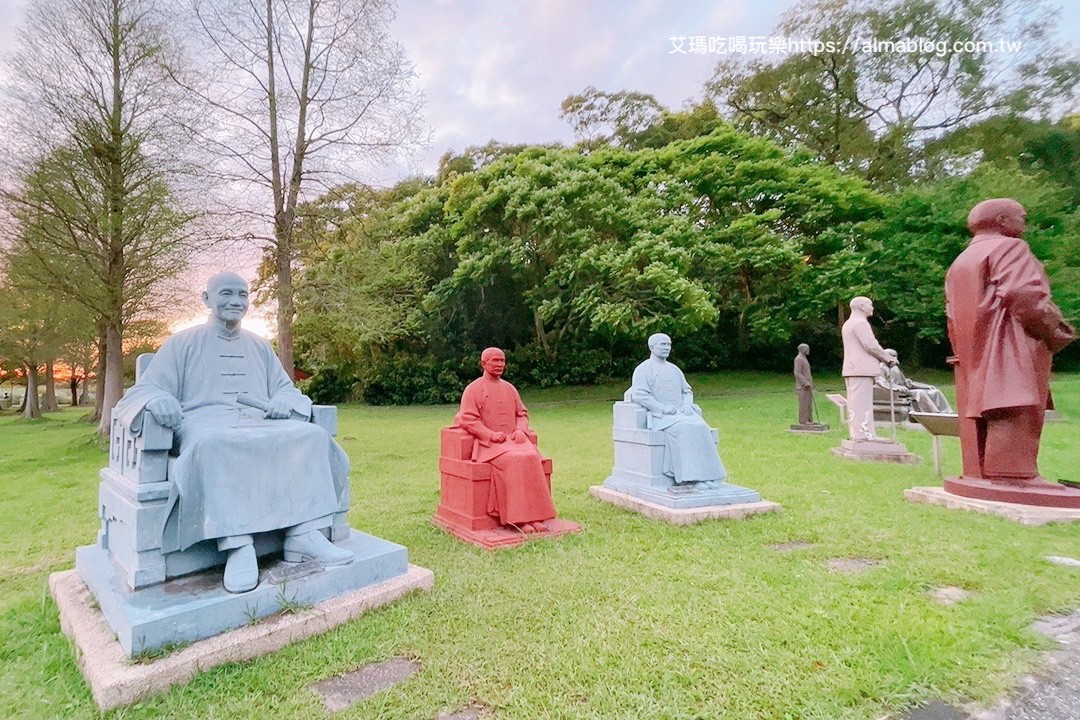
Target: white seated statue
column 665, row 452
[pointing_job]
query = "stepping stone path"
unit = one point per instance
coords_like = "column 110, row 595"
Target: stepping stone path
column 475, row 711
column 792, row 545
column 342, row 691
column 854, row 564
column 949, row 595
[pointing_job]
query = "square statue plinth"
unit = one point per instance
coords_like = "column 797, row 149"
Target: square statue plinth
column 115, row 680
column 809, row 428
column 683, row 515
column 1024, row 514
column 197, row 606
column 876, row 450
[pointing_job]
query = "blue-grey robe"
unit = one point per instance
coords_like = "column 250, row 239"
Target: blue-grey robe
column 690, row 455
column 235, row 472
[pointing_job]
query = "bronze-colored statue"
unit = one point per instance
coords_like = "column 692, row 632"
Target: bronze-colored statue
column 1004, row 329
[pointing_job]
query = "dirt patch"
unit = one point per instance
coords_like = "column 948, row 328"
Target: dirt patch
column 792, row 546
column 949, row 595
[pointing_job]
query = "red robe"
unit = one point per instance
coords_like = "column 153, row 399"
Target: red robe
column 519, row 489
column 1004, row 328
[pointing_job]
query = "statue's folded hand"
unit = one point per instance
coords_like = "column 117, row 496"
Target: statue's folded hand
column 519, row 436
column 278, row 409
column 166, row 410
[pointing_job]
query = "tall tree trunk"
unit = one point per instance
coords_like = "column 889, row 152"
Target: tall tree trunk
column 31, row 409
column 114, row 377
column 285, row 309
column 50, row 405
column 99, row 379
column 73, row 384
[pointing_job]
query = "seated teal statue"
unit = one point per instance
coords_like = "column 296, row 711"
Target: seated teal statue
column 247, row 461
column 665, row 452
column 660, row 387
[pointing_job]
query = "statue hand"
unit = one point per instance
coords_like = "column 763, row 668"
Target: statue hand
column 669, row 409
column 498, row 437
column 519, row 436
column 166, row 410
column 278, row 409
column 687, row 410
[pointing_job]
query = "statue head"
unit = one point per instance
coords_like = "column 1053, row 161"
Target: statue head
column 493, row 361
column 862, row 305
column 660, row 345
column 804, row 349
column 226, row 295
column 892, row 353
column 1001, row 215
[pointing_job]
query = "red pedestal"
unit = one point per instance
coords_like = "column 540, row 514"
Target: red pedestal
column 463, row 498
column 1033, row 492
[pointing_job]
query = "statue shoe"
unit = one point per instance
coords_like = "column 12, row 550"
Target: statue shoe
column 241, row 569
column 313, row 545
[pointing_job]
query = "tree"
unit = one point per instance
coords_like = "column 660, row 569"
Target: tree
column 305, row 91
column 878, row 80
column 98, row 169
column 602, row 118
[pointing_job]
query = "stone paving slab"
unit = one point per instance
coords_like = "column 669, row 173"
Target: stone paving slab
column 1023, row 514
column 116, row 681
column 341, row 691
column 683, row 516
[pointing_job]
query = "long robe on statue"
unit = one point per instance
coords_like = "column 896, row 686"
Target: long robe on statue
column 804, row 389
column 234, row 471
column 519, row 490
column 690, row 455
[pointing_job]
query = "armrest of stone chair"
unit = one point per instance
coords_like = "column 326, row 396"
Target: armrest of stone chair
column 143, row 457
column 457, row 444
column 325, row 416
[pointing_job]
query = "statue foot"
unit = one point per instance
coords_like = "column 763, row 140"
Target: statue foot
column 241, row 570
column 313, row 545
column 539, row 527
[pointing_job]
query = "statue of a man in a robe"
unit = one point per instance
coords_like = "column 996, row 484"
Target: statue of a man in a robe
column 239, row 470
column 492, row 412
column 690, row 455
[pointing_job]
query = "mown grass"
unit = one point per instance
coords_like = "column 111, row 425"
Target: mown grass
column 630, row 619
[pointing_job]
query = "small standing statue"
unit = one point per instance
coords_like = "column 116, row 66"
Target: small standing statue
column 1004, row 330
column 804, row 389
column 862, row 356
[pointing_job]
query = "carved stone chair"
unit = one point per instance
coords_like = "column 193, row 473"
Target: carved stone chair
column 639, row 450
column 465, row 484
column 134, row 491
column 901, row 403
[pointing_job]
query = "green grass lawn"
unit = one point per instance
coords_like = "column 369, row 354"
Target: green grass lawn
column 630, row 619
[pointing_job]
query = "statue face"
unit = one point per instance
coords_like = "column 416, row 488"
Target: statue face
column 227, row 300
column 494, row 365
column 661, row 347
column 1013, row 223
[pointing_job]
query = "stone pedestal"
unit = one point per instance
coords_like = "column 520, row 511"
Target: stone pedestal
column 1033, row 492
column 683, row 515
column 812, row 428
column 116, row 681
column 197, row 606
column 876, row 450
column 1023, row 514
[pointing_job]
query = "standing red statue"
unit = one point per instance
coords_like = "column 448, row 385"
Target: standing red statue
column 495, row 484
column 1004, row 329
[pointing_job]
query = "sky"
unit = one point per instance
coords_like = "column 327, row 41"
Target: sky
column 499, row 69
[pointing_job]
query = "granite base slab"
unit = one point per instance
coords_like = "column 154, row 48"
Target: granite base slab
column 1023, row 514
column 116, row 681
column 505, row 537
column 683, row 516
column 809, row 428
column 689, row 495
column 878, row 450
column 197, row 606
column 1033, row 492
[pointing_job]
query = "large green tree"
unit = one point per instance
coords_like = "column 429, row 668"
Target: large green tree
column 872, row 82
column 96, row 187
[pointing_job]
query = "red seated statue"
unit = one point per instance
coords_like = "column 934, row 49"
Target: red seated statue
column 495, row 485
